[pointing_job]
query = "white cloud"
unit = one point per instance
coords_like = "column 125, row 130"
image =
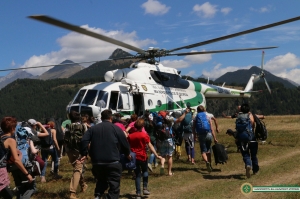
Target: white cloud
column 264, row 9
column 155, row 7
column 217, row 71
column 286, row 66
column 81, row 48
column 282, row 62
column 191, row 73
column 12, row 63
column 175, row 63
column 198, row 59
column 225, row 11
column 205, row 10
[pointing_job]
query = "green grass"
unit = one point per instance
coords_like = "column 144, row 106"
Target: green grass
column 278, row 159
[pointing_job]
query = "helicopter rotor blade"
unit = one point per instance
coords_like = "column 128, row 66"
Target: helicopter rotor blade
column 220, row 51
column 59, row 23
column 236, row 34
column 45, row 66
column 267, row 85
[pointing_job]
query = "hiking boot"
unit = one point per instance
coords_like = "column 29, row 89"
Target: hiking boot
column 150, row 167
column 56, row 176
column 155, row 165
column 138, row 196
column 43, row 180
column 146, row 191
column 162, row 171
column 84, row 187
column 73, row 196
column 248, row 169
column 208, row 166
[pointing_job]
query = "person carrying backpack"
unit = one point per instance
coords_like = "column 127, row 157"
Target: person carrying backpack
column 185, row 129
column 73, row 135
column 246, row 139
column 203, row 126
column 20, row 173
column 49, row 146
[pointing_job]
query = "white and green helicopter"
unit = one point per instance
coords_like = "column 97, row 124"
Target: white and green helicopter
column 147, row 84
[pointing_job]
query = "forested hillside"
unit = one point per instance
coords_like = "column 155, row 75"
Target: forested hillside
column 38, row 99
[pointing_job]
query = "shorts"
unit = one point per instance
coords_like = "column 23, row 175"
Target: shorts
column 189, row 139
column 166, row 147
column 205, row 142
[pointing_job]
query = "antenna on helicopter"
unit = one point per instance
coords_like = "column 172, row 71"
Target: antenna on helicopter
column 207, row 80
column 223, row 84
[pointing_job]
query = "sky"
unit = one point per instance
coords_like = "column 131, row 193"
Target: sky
column 164, row 24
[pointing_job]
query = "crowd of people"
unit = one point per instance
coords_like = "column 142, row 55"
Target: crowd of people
column 153, row 137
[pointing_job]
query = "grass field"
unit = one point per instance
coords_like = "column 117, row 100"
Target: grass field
column 278, row 160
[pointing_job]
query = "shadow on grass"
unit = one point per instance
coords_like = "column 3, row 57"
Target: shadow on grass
column 131, row 196
column 218, row 177
column 45, row 194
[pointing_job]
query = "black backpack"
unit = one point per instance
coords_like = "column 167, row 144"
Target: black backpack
column 261, row 132
column 220, row 153
column 47, row 141
column 59, row 132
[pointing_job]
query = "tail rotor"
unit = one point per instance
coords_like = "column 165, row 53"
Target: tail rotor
column 262, row 74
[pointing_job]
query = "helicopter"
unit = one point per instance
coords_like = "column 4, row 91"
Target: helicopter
column 147, row 84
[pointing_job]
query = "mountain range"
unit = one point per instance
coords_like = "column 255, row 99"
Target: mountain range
column 75, row 71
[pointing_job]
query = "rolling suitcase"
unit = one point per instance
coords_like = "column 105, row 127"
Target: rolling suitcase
column 220, row 154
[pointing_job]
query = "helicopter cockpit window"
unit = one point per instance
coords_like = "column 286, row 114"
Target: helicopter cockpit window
column 155, row 76
column 159, row 103
column 79, row 97
column 90, row 97
column 102, row 99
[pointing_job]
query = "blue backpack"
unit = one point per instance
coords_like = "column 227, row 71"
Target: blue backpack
column 21, row 136
column 243, row 128
column 202, row 124
column 187, row 123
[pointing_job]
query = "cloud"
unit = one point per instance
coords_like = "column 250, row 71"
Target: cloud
column 191, row 73
column 282, row 62
column 217, row 71
column 285, row 66
column 155, row 7
column 175, row 63
column 205, row 10
column 264, row 9
column 225, row 11
column 198, row 59
column 12, row 63
column 82, row 48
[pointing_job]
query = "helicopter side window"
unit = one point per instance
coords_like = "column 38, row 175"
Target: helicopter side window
column 170, row 105
column 79, row 96
column 90, row 97
column 159, row 103
column 102, row 99
column 113, row 100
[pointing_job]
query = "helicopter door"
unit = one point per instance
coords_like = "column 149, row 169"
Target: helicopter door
column 123, row 103
column 138, row 103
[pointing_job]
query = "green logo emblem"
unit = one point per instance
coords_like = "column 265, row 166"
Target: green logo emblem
column 246, row 188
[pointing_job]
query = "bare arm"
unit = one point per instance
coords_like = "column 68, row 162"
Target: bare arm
column 32, row 148
column 11, row 144
column 252, row 120
column 53, row 131
column 213, row 132
column 152, row 149
column 183, row 115
column 216, row 124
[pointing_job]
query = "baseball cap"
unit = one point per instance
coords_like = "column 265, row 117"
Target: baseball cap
column 32, row 122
